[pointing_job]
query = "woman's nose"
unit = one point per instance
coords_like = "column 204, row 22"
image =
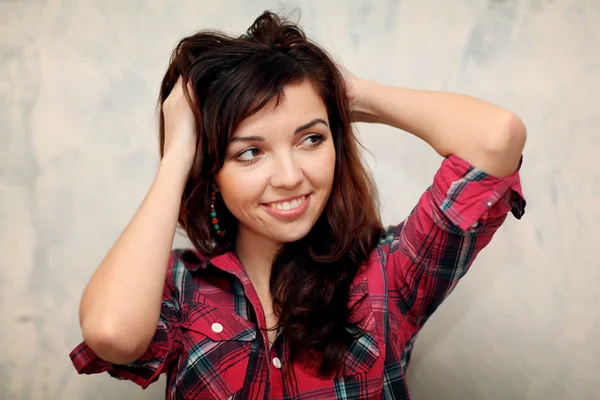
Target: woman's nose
column 287, row 173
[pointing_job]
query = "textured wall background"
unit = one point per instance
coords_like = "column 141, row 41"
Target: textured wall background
column 78, row 151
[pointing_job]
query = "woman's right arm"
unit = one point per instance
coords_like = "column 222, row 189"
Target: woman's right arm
column 121, row 304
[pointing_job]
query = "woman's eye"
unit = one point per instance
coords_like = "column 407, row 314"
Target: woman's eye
column 313, row 140
column 249, row 154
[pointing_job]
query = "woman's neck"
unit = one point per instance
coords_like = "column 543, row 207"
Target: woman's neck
column 256, row 254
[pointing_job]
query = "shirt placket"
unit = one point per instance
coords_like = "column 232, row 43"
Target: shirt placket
column 273, row 356
column 276, row 366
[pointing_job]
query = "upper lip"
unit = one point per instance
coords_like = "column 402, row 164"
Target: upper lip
column 286, row 199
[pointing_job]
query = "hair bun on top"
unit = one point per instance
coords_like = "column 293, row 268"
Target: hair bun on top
column 273, row 31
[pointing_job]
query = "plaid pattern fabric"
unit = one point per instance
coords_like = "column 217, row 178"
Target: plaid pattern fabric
column 209, row 339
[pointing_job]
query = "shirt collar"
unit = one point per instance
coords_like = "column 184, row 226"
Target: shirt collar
column 228, row 262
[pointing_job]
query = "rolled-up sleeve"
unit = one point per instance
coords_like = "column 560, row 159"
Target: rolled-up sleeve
column 464, row 198
column 455, row 218
column 162, row 351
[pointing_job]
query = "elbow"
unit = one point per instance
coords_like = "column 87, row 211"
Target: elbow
column 516, row 133
column 505, row 146
column 112, row 343
column 509, row 135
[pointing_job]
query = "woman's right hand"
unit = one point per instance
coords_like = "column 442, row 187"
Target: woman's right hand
column 180, row 125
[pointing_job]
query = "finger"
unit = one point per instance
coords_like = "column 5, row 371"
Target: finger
column 190, row 91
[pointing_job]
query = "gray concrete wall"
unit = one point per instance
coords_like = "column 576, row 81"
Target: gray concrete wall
column 78, row 151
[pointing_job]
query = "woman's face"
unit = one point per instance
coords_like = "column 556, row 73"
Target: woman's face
column 279, row 167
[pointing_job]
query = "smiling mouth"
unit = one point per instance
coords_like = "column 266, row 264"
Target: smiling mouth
column 288, row 205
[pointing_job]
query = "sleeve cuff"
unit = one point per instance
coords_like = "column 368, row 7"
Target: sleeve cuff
column 142, row 372
column 470, row 198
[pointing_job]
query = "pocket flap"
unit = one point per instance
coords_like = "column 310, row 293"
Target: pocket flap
column 217, row 324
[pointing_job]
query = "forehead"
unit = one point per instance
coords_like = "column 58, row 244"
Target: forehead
column 298, row 104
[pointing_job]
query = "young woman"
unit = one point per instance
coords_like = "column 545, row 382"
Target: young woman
column 293, row 289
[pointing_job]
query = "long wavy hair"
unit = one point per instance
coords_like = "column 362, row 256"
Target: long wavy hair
column 231, row 78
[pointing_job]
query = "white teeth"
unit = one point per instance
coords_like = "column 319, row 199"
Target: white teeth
column 288, row 205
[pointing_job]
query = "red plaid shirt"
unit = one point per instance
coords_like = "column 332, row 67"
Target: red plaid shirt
column 209, row 339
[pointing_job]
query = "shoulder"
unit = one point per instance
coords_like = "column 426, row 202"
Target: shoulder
column 388, row 243
column 187, row 258
column 182, row 263
column 389, row 234
column 389, row 239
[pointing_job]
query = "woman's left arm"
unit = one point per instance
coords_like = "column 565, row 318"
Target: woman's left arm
column 472, row 192
column 487, row 136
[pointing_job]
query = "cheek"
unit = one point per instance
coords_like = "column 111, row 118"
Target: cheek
column 321, row 169
column 239, row 189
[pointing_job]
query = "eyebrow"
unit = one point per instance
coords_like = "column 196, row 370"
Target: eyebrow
column 298, row 130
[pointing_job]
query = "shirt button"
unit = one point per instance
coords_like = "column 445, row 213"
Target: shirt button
column 277, row 363
column 217, row 327
column 489, row 203
column 475, row 225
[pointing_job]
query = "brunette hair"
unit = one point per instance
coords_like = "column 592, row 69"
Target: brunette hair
column 231, row 79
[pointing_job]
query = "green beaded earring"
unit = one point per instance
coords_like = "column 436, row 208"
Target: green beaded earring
column 213, row 215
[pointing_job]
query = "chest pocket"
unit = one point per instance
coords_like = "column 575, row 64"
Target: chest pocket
column 216, row 348
column 363, row 353
column 363, row 371
column 362, row 359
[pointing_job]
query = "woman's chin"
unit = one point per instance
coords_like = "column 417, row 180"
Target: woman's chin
column 291, row 233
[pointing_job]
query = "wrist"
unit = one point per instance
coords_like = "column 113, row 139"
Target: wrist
column 364, row 104
column 177, row 165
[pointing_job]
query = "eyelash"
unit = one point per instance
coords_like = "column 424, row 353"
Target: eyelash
column 320, row 138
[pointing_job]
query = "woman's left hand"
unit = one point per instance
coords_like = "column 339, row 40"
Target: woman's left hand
column 355, row 88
